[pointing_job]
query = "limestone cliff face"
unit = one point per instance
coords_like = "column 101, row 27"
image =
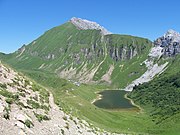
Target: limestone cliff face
column 119, row 51
column 116, row 49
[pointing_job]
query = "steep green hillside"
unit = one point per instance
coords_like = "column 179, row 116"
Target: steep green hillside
column 161, row 97
column 86, row 56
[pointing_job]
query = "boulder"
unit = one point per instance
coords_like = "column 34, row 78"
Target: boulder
column 22, row 118
column 1, row 107
column 19, row 124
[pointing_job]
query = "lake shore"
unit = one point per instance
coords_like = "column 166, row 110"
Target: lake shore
column 132, row 102
column 99, row 97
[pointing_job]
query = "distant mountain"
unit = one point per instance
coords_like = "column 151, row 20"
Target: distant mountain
column 170, row 43
column 86, row 52
column 161, row 95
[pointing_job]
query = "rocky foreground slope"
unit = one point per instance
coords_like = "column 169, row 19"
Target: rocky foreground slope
column 27, row 108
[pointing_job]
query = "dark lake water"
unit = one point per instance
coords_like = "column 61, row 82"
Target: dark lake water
column 113, row 99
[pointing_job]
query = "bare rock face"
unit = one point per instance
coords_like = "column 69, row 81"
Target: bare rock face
column 170, row 43
column 19, row 124
column 122, row 53
column 22, row 49
column 85, row 25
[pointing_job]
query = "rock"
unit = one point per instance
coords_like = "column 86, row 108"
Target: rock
column 50, row 56
column 22, row 49
column 1, row 107
column 122, row 53
column 21, row 132
column 85, row 24
column 30, row 131
column 19, row 124
column 21, row 118
column 152, row 69
column 170, row 43
column 156, row 52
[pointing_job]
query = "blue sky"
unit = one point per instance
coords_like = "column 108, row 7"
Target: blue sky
column 22, row 21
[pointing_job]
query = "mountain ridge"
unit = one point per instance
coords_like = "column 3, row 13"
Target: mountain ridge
column 86, row 24
column 72, row 50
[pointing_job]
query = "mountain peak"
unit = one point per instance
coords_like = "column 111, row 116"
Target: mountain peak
column 173, row 35
column 169, row 43
column 86, row 24
column 171, row 31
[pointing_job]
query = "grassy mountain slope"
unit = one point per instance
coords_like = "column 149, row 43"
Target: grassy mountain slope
column 84, row 55
column 161, row 97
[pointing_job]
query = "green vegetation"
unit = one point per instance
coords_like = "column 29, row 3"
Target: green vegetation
column 44, row 94
column 6, row 114
column 21, row 104
column 45, row 107
column 65, row 118
column 33, row 104
column 62, row 132
column 28, row 123
column 67, row 126
column 3, row 86
column 9, row 100
column 161, row 97
column 10, row 97
column 41, row 117
column 65, row 46
column 163, row 94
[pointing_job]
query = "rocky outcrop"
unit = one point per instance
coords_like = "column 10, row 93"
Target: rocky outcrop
column 122, row 52
column 50, row 57
column 153, row 69
column 21, row 51
column 85, row 25
column 168, row 46
column 170, row 43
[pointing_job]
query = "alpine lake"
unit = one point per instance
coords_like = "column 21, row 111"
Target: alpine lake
column 114, row 100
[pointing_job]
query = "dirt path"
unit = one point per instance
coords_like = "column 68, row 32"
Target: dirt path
column 53, row 106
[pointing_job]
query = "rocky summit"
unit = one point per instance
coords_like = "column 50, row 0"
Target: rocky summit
column 170, row 43
column 86, row 24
